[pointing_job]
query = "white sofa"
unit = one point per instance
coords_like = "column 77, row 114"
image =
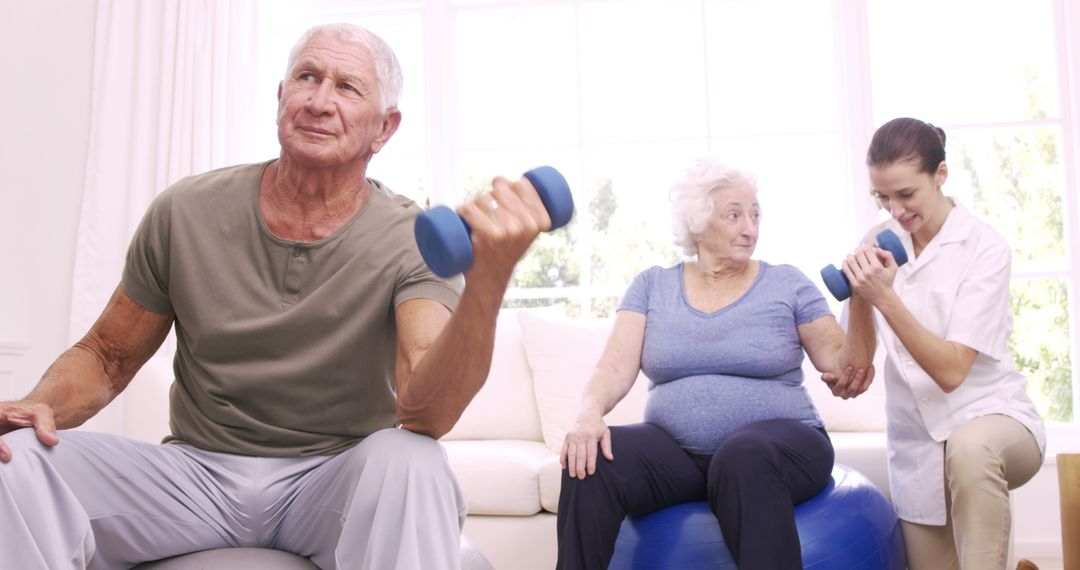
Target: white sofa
column 504, row 449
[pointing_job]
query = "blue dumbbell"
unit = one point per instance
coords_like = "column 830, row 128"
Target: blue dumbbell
column 835, row 280
column 443, row 237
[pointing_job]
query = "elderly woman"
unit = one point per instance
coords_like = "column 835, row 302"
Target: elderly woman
column 721, row 337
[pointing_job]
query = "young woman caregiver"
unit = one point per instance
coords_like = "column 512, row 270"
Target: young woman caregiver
column 962, row 431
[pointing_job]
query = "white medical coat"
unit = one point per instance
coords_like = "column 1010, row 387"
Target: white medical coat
column 958, row 288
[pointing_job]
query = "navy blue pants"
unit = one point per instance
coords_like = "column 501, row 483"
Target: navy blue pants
column 752, row 483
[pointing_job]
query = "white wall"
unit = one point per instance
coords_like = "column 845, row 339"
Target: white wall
column 1037, row 515
column 45, row 107
column 46, row 51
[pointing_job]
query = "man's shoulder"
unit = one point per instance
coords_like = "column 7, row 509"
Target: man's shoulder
column 392, row 199
column 384, row 190
column 227, row 177
column 393, row 208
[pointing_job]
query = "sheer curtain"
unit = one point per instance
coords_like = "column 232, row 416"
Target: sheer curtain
column 171, row 79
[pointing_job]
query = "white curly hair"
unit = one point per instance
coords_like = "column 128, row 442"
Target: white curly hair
column 692, row 198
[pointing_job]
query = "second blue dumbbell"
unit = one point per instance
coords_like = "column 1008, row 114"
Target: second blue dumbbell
column 837, row 283
column 443, row 237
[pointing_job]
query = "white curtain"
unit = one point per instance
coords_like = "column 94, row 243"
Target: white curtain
column 171, row 81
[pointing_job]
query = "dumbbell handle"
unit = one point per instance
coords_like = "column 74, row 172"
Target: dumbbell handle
column 443, row 236
column 837, row 283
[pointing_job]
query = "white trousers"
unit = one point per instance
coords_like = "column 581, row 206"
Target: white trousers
column 105, row 502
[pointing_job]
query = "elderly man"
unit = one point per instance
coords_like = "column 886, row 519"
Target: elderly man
column 317, row 361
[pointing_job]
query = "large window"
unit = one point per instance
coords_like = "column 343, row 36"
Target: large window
column 992, row 76
column 622, row 95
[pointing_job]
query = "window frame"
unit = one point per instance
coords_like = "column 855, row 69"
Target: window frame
column 851, row 41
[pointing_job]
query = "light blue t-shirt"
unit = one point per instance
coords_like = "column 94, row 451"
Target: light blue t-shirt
column 713, row 373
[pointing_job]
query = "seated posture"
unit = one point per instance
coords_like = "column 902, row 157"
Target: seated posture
column 962, row 430
column 727, row 418
column 317, row 356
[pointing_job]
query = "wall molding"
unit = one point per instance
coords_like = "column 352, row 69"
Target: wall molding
column 1045, row 549
column 11, row 352
column 12, row 347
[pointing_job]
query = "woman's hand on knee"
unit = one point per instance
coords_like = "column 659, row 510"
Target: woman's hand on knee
column 579, row 450
column 16, row 415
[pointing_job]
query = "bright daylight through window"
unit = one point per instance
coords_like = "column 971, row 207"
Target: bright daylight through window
column 791, row 92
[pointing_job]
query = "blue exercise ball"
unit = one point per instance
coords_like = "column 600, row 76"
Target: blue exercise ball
column 849, row 525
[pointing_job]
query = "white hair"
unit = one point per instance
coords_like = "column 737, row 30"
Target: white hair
column 387, row 69
column 692, row 198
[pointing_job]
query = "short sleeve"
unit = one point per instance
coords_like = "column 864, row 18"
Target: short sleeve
column 415, row 279
column 980, row 317
column 636, row 297
column 809, row 304
column 146, row 268
column 423, row 284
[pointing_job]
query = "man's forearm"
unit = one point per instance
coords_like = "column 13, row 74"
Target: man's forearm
column 75, row 387
column 452, row 370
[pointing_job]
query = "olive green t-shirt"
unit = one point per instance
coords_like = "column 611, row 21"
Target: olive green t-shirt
column 283, row 348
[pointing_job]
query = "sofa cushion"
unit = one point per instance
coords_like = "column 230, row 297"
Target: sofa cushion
column 562, row 353
column 505, row 408
column 865, row 452
column 550, row 484
column 499, row 477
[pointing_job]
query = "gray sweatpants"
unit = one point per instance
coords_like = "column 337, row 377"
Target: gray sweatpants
column 102, row 502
